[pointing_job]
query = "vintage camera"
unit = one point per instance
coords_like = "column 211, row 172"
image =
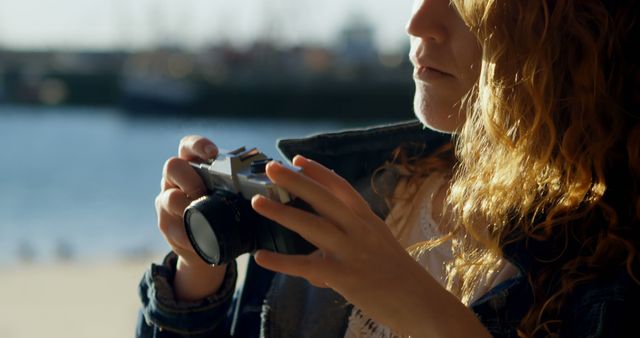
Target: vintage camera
column 222, row 225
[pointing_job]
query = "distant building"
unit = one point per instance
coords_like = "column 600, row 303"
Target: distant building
column 357, row 43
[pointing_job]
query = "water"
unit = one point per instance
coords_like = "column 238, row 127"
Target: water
column 81, row 182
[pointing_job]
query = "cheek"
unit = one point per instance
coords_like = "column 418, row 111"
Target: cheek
column 468, row 55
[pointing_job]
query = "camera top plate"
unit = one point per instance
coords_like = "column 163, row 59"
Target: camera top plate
column 231, row 171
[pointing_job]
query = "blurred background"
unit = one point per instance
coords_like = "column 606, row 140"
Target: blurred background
column 95, row 96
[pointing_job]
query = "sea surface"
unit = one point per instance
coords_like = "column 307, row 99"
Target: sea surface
column 80, row 183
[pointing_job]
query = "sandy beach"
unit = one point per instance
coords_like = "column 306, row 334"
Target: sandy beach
column 71, row 299
column 74, row 299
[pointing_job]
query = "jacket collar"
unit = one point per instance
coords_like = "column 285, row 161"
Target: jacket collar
column 357, row 154
column 379, row 141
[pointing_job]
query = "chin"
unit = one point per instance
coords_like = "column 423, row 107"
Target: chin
column 440, row 120
column 439, row 127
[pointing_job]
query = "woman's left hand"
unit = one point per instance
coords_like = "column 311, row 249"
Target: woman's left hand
column 357, row 254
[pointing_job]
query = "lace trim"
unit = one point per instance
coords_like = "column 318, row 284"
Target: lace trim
column 361, row 326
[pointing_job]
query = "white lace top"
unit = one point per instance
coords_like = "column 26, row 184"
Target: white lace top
column 412, row 222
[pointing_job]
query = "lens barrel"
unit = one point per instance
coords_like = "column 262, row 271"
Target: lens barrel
column 222, row 226
column 216, row 229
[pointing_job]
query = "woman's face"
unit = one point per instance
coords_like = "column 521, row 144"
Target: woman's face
column 446, row 58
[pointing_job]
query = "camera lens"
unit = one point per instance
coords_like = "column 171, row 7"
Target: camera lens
column 222, row 226
column 217, row 228
column 205, row 241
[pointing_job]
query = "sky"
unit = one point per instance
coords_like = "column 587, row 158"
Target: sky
column 132, row 24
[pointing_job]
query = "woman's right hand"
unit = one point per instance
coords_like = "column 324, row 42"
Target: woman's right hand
column 195, row 279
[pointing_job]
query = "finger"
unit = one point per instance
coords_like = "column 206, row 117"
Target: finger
column 172, row 228
column 166, row 184
column 310, row 267
column 194, row 147
column 321, row 199
column 174, row 201
column 315, row 281
column 311, row 227
column 179, row 173
column 334, row 183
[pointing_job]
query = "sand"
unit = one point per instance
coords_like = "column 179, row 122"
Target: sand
column 71, row 300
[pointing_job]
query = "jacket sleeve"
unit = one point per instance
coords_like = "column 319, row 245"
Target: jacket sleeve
column 606, row 310
column 162, row 316
column 608, row 318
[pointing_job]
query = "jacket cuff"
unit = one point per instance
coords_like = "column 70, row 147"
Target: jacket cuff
column 187, row 318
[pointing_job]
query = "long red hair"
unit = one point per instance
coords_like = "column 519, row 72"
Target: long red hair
column 550, row 150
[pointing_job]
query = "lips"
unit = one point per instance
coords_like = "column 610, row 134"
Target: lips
column 430, row 74
column 423, row 66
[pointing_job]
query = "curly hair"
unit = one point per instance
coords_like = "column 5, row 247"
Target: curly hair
column 550, row 150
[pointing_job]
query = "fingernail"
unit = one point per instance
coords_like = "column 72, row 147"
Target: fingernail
column 259, row 255
column 210, row 150
column 273, row 163
column 256, row 198
column 300, row 158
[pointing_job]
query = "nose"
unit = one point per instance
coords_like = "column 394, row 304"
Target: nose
column 426, row 20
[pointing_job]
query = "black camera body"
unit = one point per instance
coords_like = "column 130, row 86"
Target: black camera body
column 222, row 225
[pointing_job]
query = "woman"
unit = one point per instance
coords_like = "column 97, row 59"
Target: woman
column 524, row 222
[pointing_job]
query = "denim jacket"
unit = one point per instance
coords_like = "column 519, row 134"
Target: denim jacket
column 274, row 305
